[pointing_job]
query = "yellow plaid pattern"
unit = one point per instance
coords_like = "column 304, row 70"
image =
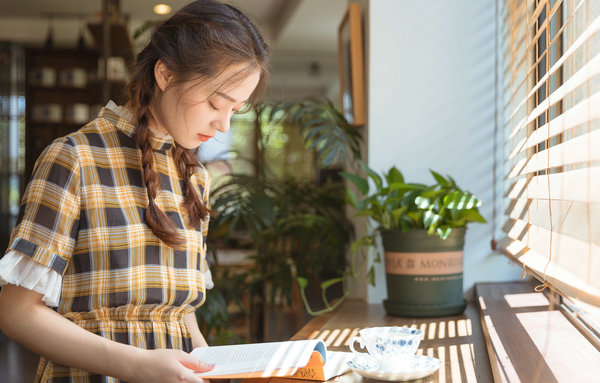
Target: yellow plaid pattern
column 83, row 215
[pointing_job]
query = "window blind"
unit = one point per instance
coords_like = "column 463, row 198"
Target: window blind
column 551, row 113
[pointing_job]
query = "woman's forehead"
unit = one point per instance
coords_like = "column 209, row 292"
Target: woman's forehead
column 234, row 84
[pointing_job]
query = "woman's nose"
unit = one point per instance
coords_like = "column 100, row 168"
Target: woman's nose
column 222, row 124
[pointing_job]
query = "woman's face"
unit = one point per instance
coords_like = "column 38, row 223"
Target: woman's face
column 192, row 113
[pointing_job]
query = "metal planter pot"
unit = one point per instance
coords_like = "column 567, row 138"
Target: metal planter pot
column 424, row 273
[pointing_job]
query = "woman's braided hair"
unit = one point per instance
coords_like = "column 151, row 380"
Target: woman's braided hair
column 197, row 43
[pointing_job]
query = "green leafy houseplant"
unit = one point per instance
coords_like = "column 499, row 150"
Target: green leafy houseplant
column 415, row 221
column 394, row 206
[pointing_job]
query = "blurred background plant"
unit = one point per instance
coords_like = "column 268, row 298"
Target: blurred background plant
column 293, row 225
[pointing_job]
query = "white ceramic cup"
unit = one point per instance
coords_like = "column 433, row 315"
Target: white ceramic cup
column 392, row 347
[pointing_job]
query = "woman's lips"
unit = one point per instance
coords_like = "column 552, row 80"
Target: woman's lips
column 204, row 137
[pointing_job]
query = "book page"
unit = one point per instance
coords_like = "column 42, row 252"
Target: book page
column 258, row 357
column 337, row 364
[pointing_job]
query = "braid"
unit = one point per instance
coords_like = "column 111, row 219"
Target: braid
column 161, row 225
column 187, row 164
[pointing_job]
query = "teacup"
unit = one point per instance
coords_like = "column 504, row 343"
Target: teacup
column 393, row 347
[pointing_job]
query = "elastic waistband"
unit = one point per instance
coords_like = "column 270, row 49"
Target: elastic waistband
column 129, row 313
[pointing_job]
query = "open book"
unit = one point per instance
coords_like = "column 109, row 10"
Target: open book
column 299, row 359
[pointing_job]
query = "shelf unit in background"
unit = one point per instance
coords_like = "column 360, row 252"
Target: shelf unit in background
column 39, row 134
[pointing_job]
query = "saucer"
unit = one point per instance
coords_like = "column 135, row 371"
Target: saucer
column 420, row 367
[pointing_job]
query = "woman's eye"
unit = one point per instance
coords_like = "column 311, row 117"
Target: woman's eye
column 212, row 106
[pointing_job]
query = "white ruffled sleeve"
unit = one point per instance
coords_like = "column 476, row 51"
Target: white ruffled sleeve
column 21, row 270
column 208, row 281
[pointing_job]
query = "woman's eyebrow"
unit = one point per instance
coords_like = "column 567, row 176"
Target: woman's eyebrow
column 228, row 97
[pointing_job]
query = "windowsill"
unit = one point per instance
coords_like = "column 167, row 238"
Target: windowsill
column 530, row 341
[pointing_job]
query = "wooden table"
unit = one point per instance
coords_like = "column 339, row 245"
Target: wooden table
column 458, row 340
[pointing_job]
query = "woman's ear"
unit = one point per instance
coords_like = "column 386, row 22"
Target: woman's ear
column 162, row 74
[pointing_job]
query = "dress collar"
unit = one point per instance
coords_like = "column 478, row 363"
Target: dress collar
column 124, row 120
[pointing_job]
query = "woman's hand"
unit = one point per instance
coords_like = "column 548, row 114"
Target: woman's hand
column 168, row 366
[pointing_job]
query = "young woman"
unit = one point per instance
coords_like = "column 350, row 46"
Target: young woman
column 113, row 223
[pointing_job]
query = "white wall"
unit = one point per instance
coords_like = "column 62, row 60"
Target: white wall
column 431, row 97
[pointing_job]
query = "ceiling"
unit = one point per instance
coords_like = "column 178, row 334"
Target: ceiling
column 299, row 32
column 139, row 9
column 262, row 11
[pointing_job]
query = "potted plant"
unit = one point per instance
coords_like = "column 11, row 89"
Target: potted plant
column 422, row 228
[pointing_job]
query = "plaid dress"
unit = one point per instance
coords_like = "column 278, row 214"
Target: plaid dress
column 82, row 215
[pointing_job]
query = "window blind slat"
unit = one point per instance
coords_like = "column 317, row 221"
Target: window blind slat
column 580, row 185
column 574, row 82
column 578, row 150
column 568, row 217
column 588, row 109
column 575, row 256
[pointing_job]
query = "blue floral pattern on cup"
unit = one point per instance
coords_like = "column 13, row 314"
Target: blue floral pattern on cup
column 392, row 347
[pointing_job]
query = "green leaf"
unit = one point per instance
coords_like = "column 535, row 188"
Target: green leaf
column 360, row 182
column 303, row 282
column 397, row 213
column 430, row 219
column 440, row 180
column 414, row 215
column 371, row 276
column 278, row 110
column 364, row 241
column 471, row 215
column 374, row 176
column 401, row 188
column 351, row 198
column 394, row 175
column 468, row 202
column 314, row 130
column 459, row 200
column 319, row 144
column 444, row 232
column 433, row 194
column 331, row 282
column 377, row 257
column 328, row 159
column 422, row 202
column 450, row 200
column 452, row 182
